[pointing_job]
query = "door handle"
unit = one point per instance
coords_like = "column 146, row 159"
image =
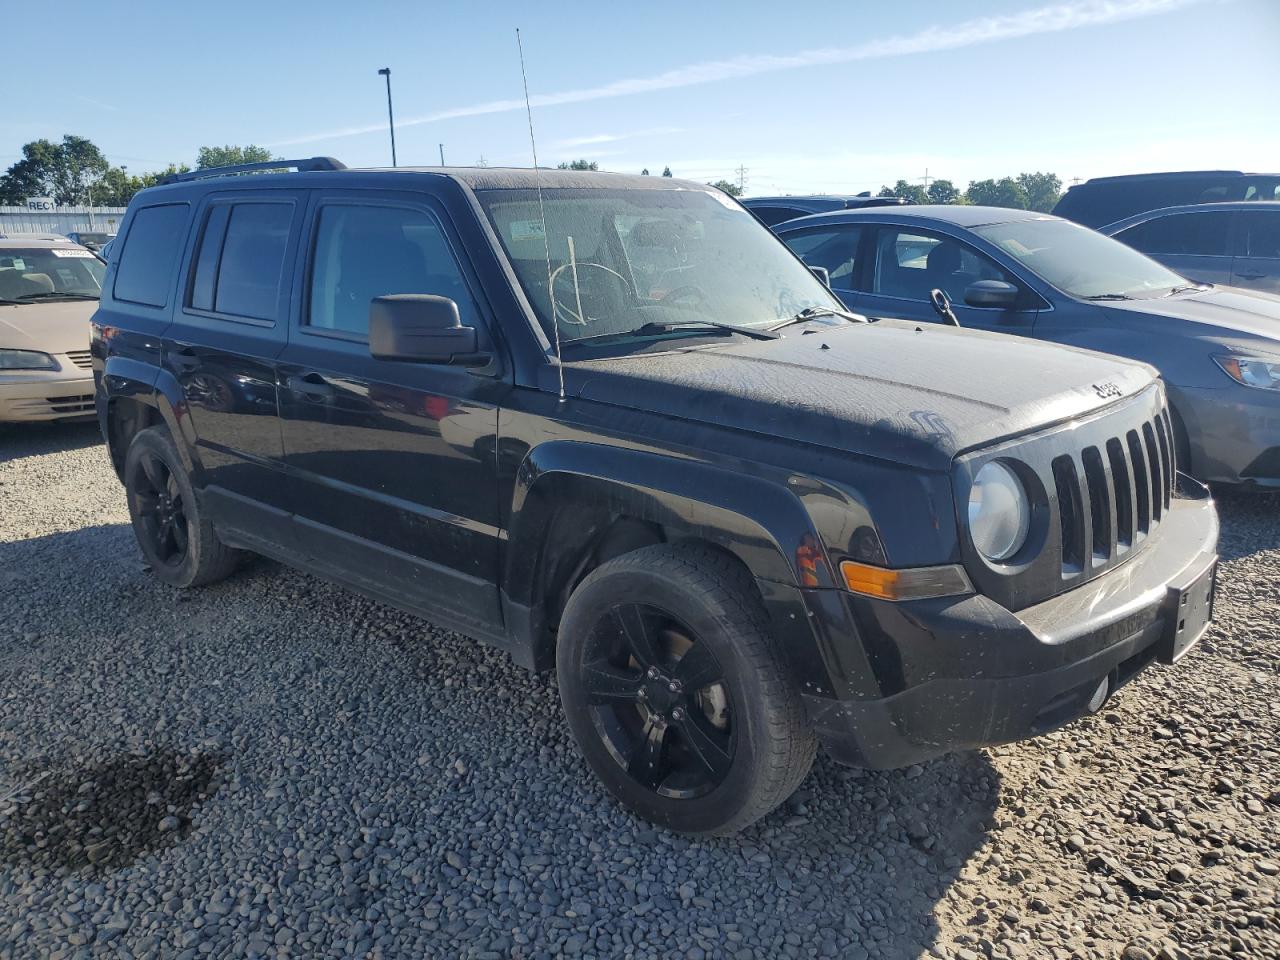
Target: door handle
column 310, row 385
column 1250, row 276
column 184, row 358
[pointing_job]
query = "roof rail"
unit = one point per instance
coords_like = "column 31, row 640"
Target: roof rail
column 302, row 166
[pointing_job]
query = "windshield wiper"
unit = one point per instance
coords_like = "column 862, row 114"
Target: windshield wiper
column 28, row 297
column 1187, row 286
column 658, row 327
column 813, row 313
column 1110, row 296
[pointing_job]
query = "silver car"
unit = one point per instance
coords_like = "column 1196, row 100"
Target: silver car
column 48, row 291
column 1237, row 244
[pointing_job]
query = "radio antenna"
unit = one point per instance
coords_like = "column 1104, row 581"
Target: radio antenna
column 542, row 214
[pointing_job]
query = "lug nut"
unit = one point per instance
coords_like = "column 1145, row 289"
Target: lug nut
column 653, row 672
column 677, row 714
column 673, row 686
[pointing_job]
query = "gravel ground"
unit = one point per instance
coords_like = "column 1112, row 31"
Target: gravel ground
column 274, row 767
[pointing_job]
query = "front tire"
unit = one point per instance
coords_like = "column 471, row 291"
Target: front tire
column 676, row 694
column 175, row 536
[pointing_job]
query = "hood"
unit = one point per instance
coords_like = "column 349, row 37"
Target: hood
column 53, row 327
column 1224, row 312
column 911, row 393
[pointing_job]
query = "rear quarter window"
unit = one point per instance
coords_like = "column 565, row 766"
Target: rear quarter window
column 152, row 247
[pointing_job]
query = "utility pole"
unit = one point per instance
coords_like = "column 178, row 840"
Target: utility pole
column 391, row 121
column 926, row 180
column 482, row 162
column 442, row 154
column 742, row 178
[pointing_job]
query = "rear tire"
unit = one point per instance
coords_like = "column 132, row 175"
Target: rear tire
column 676, row 694
column 176, row 538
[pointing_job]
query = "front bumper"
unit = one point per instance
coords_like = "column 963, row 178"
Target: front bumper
column 31, row 395
column 956, row 674
column 1233, row 433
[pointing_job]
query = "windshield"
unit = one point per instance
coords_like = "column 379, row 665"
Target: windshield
column 623, row 260
column 1079, row 261
column 47, row 273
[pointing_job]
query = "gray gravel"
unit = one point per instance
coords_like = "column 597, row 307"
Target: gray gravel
column 274, row 767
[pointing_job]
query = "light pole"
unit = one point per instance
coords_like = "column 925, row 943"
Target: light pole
column 391, row 120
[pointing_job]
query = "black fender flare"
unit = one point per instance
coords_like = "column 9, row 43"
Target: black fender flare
column 756, row 519
column 127, row 378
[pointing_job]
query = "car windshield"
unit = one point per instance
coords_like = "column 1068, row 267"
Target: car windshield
column 628, row 264
column 49, row 273
column 1080, row 262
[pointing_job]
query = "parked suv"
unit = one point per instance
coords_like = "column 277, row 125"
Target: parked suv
column 1104, row 200
column 1231, row 243
column 772, row 211
column 611, row 424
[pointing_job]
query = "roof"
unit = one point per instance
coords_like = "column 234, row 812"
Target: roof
column 1172, row 175
column 956, row 214
column 10, row 240
column 477, row 178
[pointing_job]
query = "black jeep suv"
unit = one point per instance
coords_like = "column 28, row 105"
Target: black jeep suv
column 612, row 425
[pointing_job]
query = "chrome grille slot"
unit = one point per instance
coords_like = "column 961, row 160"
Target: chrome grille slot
column 1157, row 472
column 1141, row 482
column 1122, row 481
column 1070, row 515
column 1099, row 504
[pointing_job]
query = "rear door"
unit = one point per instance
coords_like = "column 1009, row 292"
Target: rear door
column 904, row 264
column 1257, row 262
column 392, row 464
column 230, row 326
column 1196, row 244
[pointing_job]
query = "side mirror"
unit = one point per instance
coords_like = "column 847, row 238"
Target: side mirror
column 991, row 293
column 823, row 274
column 421, row 328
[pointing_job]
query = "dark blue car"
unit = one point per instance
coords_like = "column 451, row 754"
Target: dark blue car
column 1036, row 275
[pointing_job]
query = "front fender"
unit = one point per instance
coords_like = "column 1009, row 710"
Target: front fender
column 760, row 522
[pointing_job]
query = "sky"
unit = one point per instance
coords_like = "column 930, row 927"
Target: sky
column 813, row 97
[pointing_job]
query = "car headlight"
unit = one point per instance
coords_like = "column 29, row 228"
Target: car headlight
column 999, row 512
column 26, row 360
column 1251, row 371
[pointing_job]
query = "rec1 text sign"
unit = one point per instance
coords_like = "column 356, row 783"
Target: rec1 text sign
column 40, row 203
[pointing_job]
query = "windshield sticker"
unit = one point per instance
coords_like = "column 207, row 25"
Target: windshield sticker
column 72, row 253
column 522, row 230
column 14, row 263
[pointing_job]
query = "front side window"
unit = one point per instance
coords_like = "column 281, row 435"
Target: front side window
column 1080, row 262
column 1199, row 234
column 32, row 274
column 911, row 264
column 151, row 250
column 624, row 262
column 835, row 249
column 363, row 252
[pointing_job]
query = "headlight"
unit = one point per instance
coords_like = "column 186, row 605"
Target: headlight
column 26, row 360
column 1251, row 371
column 999, row 512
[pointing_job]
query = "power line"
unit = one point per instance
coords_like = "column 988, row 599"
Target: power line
column 742, row 177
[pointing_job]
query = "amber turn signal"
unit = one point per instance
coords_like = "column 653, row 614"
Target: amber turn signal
column 913, row 583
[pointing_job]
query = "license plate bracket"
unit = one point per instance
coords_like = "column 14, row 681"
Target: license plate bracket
column 1190, row 609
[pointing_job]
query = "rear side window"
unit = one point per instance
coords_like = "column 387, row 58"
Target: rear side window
column 835, row 249
column 241, row 260
column 1261, row 234
column 1196, row 234
column 366, row 252
column 772, row 216
column 151, row 250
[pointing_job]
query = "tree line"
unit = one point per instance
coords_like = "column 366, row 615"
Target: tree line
column 74, row 172
column 1026, row 191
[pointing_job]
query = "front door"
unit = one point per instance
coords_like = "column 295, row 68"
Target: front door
column 907, row 263
column 1257, row 262
column 230, row 326
column 392, row 464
